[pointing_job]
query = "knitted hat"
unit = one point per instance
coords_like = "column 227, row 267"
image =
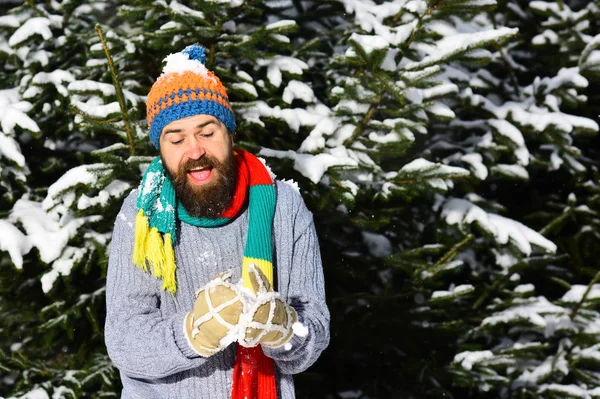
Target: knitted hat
column 186, row 88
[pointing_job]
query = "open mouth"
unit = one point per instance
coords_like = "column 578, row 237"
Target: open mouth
column 201, row 174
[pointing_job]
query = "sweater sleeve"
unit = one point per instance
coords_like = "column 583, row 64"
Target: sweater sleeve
column 306, row 293
column 140, row 341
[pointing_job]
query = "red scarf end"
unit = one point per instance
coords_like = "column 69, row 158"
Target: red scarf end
column 253, row 375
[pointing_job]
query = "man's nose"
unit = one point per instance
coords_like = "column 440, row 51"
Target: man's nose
column 195, row 149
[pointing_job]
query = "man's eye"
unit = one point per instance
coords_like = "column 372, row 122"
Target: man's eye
column 176, row 142
column 207, row 135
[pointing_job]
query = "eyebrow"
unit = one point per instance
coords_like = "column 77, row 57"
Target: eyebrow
column 199, row 126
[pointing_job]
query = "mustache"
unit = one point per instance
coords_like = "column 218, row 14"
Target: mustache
column 205, row 161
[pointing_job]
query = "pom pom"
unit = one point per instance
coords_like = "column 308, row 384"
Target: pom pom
column 195, row 52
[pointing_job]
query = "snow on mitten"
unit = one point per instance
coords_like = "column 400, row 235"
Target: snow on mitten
column 211, row 326
column 270, row 318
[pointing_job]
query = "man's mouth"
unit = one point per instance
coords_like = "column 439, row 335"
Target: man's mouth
column 201, row 174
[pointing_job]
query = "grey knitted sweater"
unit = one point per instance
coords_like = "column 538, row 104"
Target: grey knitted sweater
column 144, row 324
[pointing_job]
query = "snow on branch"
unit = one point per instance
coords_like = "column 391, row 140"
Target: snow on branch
column 13, row 112
column 61, row 192
column 463, row 212
column 35, row 26
column 452, row 46
column 44, row 231
column 312, row 167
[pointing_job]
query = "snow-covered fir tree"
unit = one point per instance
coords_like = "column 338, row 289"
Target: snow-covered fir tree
column 448, row 151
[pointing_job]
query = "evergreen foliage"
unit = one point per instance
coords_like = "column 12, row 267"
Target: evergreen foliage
column 448, row 150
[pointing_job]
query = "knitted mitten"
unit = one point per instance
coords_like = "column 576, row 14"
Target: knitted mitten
column 211, row 326
column 270, row 318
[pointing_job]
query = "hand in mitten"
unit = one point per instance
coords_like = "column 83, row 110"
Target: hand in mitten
column 270, row 318
column 211, row 326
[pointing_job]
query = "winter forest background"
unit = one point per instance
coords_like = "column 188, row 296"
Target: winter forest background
column 448, row 149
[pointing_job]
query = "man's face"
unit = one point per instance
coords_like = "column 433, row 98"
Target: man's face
column 197, row 153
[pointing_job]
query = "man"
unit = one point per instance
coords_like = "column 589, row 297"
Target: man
column 215, row 285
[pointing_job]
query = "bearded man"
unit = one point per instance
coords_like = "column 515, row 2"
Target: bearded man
column 215, row 285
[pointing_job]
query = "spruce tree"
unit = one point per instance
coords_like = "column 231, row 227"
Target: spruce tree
column 446, row 148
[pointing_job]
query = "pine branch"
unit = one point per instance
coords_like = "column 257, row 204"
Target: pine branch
column 92, row 120
column 31, row 4
column 433, row 270
column 361, row 126
column 558, row 221
column 365, row 120
column 425, row 179
column 118, row 89
column 585, row 295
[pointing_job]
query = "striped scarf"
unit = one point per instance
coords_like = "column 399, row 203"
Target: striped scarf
column 155, row 235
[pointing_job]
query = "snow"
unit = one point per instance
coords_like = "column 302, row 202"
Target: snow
column 591, row 353
column 459, row 211
column 468, row 359
column 460, row 42
column 534, row 310
column 475, row 160
column 455, row 291
column 180, row 9
column 9, row 149
column 62, row 266
column 369, row 43
column 315, row 140
column 509, row 131
column 247, row 87
column 14, row 242
column 58, row 192
column 96, row 108
column 37, row 393
column 370, row 16
column 33, row 26
column 294, row 117
column 13, row 113
column 230, row 3
column 441, row 110
column 284, row 23
column 524, row 288
column 280, row 63
column 590, row 57
column 516, row 171
column 115, row 189
column 541, row 372
column 179, row 63
column 573, row 391
column 43, row 230
column 299, row 329
column 9, row 21
column 56, row 78
column 423, row 169
column 576, row 292
column 298, row 90
column 312, row 167
column 106, row 89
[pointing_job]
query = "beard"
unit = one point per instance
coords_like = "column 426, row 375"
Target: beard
column 209, row 200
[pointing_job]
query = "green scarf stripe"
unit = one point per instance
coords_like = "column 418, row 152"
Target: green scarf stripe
column 151, row 184
column 261, row 213
column 160, row 211
column 184, row 216
column 164, row 220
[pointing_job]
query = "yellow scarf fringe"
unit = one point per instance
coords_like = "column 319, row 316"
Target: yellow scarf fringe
column 151, row 247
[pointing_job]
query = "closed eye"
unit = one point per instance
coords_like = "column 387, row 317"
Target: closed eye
column 177, row 142
column 207, row 135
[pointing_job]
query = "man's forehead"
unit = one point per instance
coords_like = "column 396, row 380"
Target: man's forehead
column 196, row 121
